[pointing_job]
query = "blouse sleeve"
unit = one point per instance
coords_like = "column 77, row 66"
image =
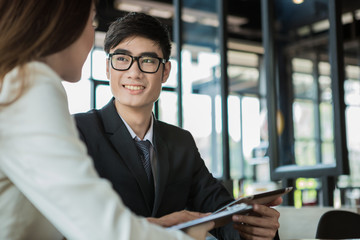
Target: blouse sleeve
column 43, row 156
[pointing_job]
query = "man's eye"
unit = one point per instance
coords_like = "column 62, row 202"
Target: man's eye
column 148, row 60
column 121, row 59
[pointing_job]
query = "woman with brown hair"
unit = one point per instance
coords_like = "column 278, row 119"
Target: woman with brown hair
column 48, row 186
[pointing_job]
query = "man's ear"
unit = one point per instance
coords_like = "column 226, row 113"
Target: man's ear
column 107, row 69
column 166, row 73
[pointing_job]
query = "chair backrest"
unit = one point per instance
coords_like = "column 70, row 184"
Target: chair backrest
column 338, row 224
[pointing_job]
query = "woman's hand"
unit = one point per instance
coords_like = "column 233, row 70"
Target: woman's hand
column 177, row 218
column 199, row 231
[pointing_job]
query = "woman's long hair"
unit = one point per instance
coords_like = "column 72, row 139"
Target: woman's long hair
column 32, row 29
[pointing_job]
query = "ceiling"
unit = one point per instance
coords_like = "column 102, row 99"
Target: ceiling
column 244, row 18
column 244, row 21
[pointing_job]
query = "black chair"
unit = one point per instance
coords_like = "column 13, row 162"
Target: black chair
column 338, row 224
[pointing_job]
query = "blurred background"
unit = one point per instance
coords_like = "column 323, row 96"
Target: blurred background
column 270, row 90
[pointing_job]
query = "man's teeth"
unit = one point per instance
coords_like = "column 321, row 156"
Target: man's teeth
column 134, row 87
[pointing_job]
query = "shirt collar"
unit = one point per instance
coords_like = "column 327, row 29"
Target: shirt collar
column 148, row 135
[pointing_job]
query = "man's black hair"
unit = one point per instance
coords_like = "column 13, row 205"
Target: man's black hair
column 138, row 24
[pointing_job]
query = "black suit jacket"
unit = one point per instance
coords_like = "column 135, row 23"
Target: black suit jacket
column 183, row 181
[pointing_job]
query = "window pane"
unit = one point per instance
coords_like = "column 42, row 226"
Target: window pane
column 78, row 93
column 303, row 85
column 326, row 121
column 352, row 92
column 303, row 119
column 325, row 88
column 168, row 107
column 251, row 125
column 198, row 120
column 328, row 153
column 103, row 95
column 302, row 65
column 251, row 141
column 236, row 159
column 243, row 72
column 99, row 64
column 353, row 128
column 172, row 80
column 305, row 153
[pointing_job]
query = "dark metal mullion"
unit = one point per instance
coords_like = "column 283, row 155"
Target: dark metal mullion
column 337, row 85
column 267, row 13
column 92, row 83
column 327, row 190
column 156, row 109
column 168, row 89
column 179, row 42
column 222, row 9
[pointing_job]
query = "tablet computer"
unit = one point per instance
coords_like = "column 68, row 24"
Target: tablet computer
column 260, row 198
column 220, row 218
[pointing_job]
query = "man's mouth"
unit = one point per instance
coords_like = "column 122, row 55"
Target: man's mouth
column 133, row 88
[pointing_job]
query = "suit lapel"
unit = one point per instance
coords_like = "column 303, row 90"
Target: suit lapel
column 121, row 140
column 162, row 155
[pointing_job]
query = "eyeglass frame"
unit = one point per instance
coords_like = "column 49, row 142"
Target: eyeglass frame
column 136, row 58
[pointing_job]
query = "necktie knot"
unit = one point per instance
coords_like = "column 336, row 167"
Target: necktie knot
column 143, row 146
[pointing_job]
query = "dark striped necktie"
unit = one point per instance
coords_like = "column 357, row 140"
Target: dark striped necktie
column 144, row 151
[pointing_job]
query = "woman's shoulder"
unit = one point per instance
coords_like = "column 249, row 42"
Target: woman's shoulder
column 31, row 79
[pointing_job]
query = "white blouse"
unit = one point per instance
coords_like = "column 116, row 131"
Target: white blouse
column 48, row 185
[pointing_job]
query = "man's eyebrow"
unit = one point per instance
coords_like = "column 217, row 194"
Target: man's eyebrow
column 124, row 51
column 149, row 54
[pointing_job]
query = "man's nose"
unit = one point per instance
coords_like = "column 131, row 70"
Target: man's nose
column 135, row 68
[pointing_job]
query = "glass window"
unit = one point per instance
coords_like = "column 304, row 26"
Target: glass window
column 250, row 125
column 198, row 117
column 78, row 93
column 201, row 80
column 326, row 116
column 103, row 95
column 168, row 107
column 172, row 80
column 303, row 120
column 99, row 64
column 236, row 154
column 303, row 85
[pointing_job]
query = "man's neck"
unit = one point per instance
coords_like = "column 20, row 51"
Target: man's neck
column 138, row 119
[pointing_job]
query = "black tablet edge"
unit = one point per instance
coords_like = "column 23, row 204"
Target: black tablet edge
column 256, row 196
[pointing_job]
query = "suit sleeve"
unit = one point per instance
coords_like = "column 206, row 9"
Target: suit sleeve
column 208, row 194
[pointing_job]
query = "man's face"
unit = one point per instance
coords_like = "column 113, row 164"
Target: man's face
column 133, row 88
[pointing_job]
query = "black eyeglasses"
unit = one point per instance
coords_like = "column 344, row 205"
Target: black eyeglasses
column 146, row 64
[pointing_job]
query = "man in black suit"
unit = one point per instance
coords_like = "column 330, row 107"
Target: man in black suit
column 170, row 175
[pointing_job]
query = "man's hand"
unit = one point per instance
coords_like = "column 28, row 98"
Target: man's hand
column 176, row 218
column 262, row 223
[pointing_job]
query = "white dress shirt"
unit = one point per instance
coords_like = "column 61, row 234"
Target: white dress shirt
column 48, row 184
column 148, row 136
